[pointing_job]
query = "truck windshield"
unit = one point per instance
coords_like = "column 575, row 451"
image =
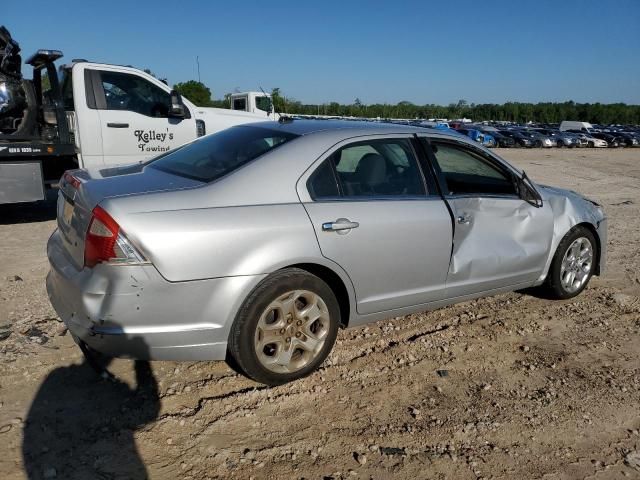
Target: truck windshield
column 216, row 155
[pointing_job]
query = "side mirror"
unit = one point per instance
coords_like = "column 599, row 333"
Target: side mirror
column 176, row 109
column 527, row 192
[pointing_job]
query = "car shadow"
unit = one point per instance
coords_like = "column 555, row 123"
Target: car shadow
column 42, row 211
column 81, row 424
column 536, row 292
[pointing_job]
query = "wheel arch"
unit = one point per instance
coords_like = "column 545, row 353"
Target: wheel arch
column 337, row 285
column 594, row 231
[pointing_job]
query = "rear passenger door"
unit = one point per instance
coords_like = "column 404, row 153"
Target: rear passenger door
column 500, row 240
column 378, row 217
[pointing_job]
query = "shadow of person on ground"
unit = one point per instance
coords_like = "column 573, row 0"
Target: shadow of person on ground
column 81, row 424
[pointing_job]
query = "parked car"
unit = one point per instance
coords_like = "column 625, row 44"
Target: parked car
column 538, row 139
column 626, row 139
column 589, row 140
column 257, row 243
column 520, row 139
column 561, row 139
column 612, row 141
column 502, row 140
column 484, row 138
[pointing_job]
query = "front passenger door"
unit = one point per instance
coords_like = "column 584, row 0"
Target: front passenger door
column 500, row 240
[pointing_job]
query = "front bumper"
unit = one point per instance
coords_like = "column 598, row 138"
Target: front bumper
column 132, row 311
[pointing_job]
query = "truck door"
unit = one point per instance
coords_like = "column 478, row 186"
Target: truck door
column 134, row 116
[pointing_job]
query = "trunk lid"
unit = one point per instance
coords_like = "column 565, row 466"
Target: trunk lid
column 81, row 190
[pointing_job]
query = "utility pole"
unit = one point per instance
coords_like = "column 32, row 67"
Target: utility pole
column 198, row 63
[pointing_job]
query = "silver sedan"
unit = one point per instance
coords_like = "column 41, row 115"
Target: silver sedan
column 256, row 244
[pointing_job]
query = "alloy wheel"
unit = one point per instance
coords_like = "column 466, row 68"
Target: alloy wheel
column 576, row 264
column 291, row 331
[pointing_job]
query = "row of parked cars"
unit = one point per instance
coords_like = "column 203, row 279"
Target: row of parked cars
column 566, row 134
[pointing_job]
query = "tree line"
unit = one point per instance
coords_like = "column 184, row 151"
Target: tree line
column 520, row 112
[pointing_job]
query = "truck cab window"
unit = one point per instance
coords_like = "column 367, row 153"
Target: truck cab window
column 67, row 90
column 240, row 104
column 124, row 91
column 263, row 103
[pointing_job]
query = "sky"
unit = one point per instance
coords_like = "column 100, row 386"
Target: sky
column 483, row 51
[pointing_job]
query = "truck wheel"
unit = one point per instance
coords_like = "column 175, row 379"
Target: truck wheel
column 286, row 327
column 573, row 264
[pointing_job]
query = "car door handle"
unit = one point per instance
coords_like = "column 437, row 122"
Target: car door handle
column 341, row 225
column 464, row 219
column 117, row 125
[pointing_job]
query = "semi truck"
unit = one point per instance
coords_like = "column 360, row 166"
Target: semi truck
column 87, row 114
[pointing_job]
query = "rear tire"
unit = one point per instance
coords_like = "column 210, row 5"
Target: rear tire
column 573, row 264
column 286, row 327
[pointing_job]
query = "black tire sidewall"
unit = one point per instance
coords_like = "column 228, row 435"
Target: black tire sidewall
column 241, row 338
column 554, row 282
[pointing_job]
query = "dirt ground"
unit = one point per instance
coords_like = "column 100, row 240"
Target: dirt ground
column 511, row 386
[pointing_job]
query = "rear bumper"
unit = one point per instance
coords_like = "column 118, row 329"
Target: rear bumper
column 132, row 311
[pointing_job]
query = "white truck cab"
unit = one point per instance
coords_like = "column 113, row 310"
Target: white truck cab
column 123, row 115
column 254, row 102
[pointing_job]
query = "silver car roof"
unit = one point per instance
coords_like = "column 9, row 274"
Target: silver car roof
column 345, row 128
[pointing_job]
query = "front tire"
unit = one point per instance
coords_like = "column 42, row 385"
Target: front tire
column 286, row 327
column 573, row 264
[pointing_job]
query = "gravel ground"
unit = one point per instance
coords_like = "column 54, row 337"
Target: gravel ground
column 511, row 386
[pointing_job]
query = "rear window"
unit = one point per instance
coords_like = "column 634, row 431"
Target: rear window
column 221, row 153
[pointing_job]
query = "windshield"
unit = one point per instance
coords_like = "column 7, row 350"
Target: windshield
column 219, row 154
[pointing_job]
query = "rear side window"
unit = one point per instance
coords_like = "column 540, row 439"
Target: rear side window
column 376, row 168
column 219, row 154
column 322, row 183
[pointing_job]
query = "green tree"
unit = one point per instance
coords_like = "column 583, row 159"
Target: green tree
column 196, row 92
column 278, row 100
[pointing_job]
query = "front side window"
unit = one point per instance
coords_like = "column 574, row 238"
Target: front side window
column 124, row 91
column 376, row 168
column 214, row 156
column 466, row 172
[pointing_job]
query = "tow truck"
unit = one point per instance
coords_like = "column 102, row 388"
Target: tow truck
column 88, row 114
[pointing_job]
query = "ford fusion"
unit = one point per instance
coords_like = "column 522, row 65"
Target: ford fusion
column 256, row 244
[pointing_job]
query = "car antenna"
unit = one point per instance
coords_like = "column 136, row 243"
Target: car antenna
column 281, row 118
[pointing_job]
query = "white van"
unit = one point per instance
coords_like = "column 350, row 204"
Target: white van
column 569, row 125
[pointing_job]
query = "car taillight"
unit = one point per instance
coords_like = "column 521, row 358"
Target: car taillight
column 71, row 180
column 105, row 242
